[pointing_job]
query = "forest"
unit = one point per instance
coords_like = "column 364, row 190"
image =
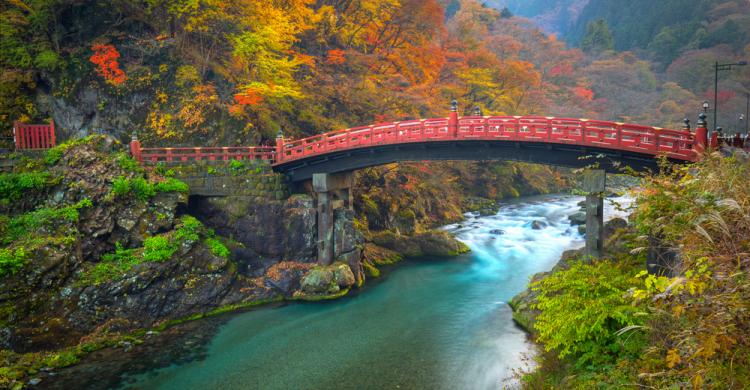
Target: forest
column 237, row 72
column 242, row 72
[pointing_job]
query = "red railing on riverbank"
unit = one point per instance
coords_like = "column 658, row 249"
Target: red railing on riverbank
column 30, row 137
column 154, row 155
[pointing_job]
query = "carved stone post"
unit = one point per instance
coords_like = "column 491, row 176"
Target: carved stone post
column 594, row 182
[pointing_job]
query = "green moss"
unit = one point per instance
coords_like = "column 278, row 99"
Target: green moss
column 371, row 270
column 143, row 189
column 62, row 359
column 112, row 266
column 53, row 155
column 217, row 247
column 158, row 249
column 26, row 224
column 321, row 297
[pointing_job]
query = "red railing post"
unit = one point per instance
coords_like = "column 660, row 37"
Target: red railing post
column 52, row 139
column 135, row 148
column 279, row 147
column 701, row 135
column 453, row 120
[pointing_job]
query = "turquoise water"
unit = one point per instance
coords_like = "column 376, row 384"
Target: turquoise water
column 427, row 324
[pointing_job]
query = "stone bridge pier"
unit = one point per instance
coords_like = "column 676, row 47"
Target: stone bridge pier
column 594, row 183
column 333, row 196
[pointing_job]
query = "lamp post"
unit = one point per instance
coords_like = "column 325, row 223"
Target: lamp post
column 717, row 68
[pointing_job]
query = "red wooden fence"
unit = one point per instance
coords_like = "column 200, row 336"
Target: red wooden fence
column 28, row 136
column 155, row 155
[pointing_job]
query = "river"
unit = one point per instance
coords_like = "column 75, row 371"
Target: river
column 426, row 324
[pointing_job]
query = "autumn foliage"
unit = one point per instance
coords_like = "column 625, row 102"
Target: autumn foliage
column 105, row 58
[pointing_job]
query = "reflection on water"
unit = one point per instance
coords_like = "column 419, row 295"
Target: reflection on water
column 432, row 323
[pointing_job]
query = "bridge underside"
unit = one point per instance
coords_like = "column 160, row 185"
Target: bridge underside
column 542, row 153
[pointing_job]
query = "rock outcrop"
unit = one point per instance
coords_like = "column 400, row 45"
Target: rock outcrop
column 431, row 243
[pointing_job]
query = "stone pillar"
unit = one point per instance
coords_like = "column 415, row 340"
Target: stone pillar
column 594, row 182
column 325, row 227
column 332, row 191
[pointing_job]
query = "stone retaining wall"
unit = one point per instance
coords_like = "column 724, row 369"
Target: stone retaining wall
column 220, row 178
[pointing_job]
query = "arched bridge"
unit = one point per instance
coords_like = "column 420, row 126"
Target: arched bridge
column 329, row 158
column 547, row 140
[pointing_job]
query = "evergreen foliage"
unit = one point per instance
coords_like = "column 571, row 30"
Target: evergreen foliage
column 598, row 38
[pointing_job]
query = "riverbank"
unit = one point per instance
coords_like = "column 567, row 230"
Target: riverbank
column 609, row 323
column 426, row 323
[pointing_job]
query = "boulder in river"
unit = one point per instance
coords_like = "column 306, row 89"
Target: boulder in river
column 538, row 225
column 578, row 218
column 497, row 232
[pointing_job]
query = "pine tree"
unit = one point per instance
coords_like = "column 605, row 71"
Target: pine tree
column 598, row 37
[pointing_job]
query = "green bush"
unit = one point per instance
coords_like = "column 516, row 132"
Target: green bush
column 217, row 248
column 13, row 186
column 158, row 249
column 188, row 230
column 142, row 188
column 11, row 261
column 121, row 186
column 583, row 308
column 127, row 163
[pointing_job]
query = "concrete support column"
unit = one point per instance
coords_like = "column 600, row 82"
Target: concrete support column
column 332, row 191
column 594, row 182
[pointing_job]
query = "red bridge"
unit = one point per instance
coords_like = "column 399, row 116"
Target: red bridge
column 547, row 140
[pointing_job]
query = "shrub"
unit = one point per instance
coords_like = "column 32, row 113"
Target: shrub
column 582, row 309
column 127, row 163
column 11, row 261
column 143, row 189
column 13, row 186
column 158, row 249
column 121, row 186
column 188, row 230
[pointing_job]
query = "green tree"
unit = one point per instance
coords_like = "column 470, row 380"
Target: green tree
column 505, row 13
column 598, row 38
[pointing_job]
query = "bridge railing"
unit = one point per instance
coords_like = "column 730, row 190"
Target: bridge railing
column 154, row 155
column 584, row 132
column 34, row 136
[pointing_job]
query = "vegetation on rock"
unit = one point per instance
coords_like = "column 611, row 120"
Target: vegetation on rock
column 609, row 323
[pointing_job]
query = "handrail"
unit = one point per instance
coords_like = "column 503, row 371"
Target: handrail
column 602, row 134
column 675, row 144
